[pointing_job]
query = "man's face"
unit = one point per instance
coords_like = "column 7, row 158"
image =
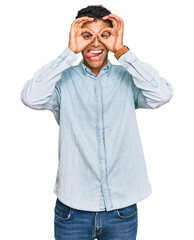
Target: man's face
column 95, row 60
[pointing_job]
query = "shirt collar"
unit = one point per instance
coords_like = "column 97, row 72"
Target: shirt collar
column 87, row 71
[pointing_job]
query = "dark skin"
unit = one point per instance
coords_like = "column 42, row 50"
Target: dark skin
column 95, row 27
column 89, row 34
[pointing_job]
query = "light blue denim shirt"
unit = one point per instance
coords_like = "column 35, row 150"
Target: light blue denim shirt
column 101, row 163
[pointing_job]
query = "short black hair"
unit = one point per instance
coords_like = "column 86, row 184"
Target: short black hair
column 94, row 11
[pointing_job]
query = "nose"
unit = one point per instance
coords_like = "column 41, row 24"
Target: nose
column 96, row 42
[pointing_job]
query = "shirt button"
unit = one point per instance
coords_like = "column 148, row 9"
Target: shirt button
column 100, row 119
column 98, row 98
column 97, row 80
column 104, row 182
column 102, row 160
column 101, row 139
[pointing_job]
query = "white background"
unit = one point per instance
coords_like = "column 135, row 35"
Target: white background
column 35, row 32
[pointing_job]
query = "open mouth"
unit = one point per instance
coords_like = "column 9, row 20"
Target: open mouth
column 94, row 55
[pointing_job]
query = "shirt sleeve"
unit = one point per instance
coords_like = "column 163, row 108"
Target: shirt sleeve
column 149, row 88
column 43, row 90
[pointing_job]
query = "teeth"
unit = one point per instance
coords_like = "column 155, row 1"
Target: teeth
column 95, row 51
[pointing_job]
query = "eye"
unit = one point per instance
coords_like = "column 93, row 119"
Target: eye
column 105, row 34
column 86, row 35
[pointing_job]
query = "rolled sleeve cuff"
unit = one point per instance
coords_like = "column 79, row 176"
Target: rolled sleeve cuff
column 128, row 57
column 69, row 56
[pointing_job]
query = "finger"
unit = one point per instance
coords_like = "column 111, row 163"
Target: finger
column 106, row 29
column 113, row 15
column 100, row 38
column 105, row 17
column 82, row 21
column 78, row 19
column 81, row 18
column 118, row 24
column 80, row 24
column 113, row 20
column 74, row 23
column 89, row 41
column 92, row 38
column 110, row 16
column 87, row 30
column 114, row 23
column 121, row 22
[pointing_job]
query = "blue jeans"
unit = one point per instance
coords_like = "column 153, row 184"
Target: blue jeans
column 74, row 224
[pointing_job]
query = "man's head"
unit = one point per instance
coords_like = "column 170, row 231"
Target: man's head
column 92, row 58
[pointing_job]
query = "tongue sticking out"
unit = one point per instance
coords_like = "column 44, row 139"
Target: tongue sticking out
column 90, row 54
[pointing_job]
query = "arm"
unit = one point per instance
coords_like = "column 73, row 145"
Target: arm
column 42, row 91
column 150, row 90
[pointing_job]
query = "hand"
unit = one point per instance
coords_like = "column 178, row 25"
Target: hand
column 76, row 41
column 115, row 40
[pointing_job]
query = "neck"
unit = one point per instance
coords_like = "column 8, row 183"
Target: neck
column 95, row 71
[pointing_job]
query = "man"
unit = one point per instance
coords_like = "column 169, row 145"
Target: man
column 101, row 173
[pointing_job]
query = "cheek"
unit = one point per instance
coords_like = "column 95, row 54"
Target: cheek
column 106, row 53
column 84, row 53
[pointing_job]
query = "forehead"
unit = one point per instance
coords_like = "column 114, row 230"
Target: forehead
column 96, row 25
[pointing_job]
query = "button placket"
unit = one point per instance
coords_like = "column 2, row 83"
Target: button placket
column 101, row 145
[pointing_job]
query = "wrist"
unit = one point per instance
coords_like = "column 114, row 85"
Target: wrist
column 72, row 49
column 118, row 48
column 121, row 51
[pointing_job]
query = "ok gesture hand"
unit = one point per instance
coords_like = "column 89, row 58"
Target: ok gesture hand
column 76, row 41
column 115, row 40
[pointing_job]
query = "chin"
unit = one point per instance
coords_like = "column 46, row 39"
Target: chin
column 99, row 58
column 96, row 64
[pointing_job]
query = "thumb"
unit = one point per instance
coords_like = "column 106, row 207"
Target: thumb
column 107, row 32
column 100, row 38
column 92, row 38
column 88, row 41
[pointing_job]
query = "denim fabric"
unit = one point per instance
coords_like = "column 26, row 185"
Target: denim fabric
column 118, row 224
column 101, row 164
